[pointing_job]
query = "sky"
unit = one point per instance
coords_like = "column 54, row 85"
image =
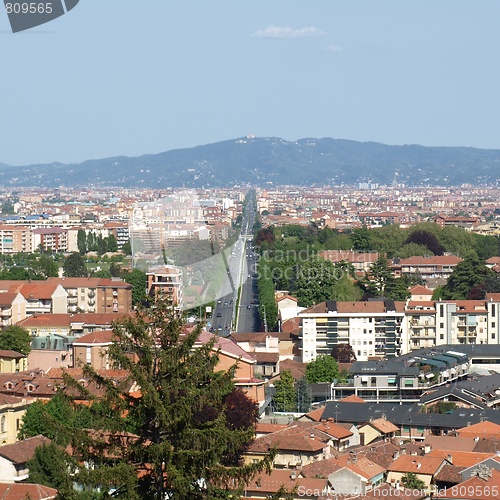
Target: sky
column 132, row 77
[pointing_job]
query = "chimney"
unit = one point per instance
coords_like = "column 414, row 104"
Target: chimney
column 449, row 457
column 419, row 465
column 427, row 448
column 293, row 475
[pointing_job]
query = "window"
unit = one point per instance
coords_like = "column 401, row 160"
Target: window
column 441, row 325
column 441, row 336
column 2, row 424
column 493, row 309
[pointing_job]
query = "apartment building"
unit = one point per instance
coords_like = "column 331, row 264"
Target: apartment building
column 41, row 297
column 168, row 281
column 372, row 328
column 361, row 261
column 96, row 295
column 15, row 238
column 436, row 266
column 54, row 239
column 404, row 379
column 12, row 308
column 458, row 322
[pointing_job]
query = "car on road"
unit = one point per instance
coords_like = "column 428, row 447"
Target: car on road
column 249, row 307
column 218, row 315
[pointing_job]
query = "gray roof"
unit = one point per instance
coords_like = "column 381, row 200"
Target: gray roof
column 468, row 350
column 407, row 414
column 452, row 390
column 390, row 367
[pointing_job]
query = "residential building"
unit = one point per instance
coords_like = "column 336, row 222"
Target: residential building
column 96, row 295
column 54, row 239
column 361, row 261
column 436, row 266
column 12, row 308
column 14, row 458
column 41, row 297
column 372, row 328
column 12, row 361
column 12, row 410
column 92, row 349
column 168, row 281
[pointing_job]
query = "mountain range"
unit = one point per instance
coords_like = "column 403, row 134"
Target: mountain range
column 272, row 161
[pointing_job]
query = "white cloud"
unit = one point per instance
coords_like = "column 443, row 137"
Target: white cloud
column 334, row 48
column 286, row 32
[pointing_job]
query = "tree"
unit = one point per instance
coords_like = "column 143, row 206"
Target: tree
column 127, row 248
column 74, row 266
column 429, row 240
column 48, row 467
column 46, row 266
column 17, row 339
column 81, row 239
column 181, row 432
column 466, row 275
column 343, row 353
column 411, row 481
column 284, row 396
column 322, row 369
column 361, row 239
column 304, row 395
column 112, row 243
column 377, row 278
column 139, row 281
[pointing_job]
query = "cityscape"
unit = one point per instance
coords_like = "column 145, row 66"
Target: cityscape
column 249, row 250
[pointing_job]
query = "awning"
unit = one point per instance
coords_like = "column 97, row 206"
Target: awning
column 429, row 375
column 464, row 366
column 408, row 382
column 453, row 371
column 364, row 379
column 445, row 374
column 391, row 380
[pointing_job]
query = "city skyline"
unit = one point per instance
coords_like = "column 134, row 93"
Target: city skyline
column 104, row 81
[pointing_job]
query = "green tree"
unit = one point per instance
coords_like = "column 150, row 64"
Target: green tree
column 322, row 369
column 180, row 423
column 47, row 266
column 379, row 277
column 284, row 396
column 466, row 275
column 304, row 396
column 138, row 280
column 127, row 248
column 361, row 239
column 74, row 266
column 52, row 466
column 411, row 481
column 81, row 239
column 16, row 338
column 112, row 244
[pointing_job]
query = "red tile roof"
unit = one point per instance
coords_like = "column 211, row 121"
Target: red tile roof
column 97, row 337
column 22, row 491
column 22, row 451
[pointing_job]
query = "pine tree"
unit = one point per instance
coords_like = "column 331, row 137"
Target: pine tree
column 304, row 395
column 74, row 266
column 284, row 397
column 182, row 435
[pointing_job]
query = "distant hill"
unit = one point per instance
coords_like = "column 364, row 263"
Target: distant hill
column 270, row 160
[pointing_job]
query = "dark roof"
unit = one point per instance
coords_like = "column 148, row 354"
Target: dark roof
column 392, row 366
column 456, row 392
column 407, row 414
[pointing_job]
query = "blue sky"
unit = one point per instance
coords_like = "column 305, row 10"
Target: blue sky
column 130, row 77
